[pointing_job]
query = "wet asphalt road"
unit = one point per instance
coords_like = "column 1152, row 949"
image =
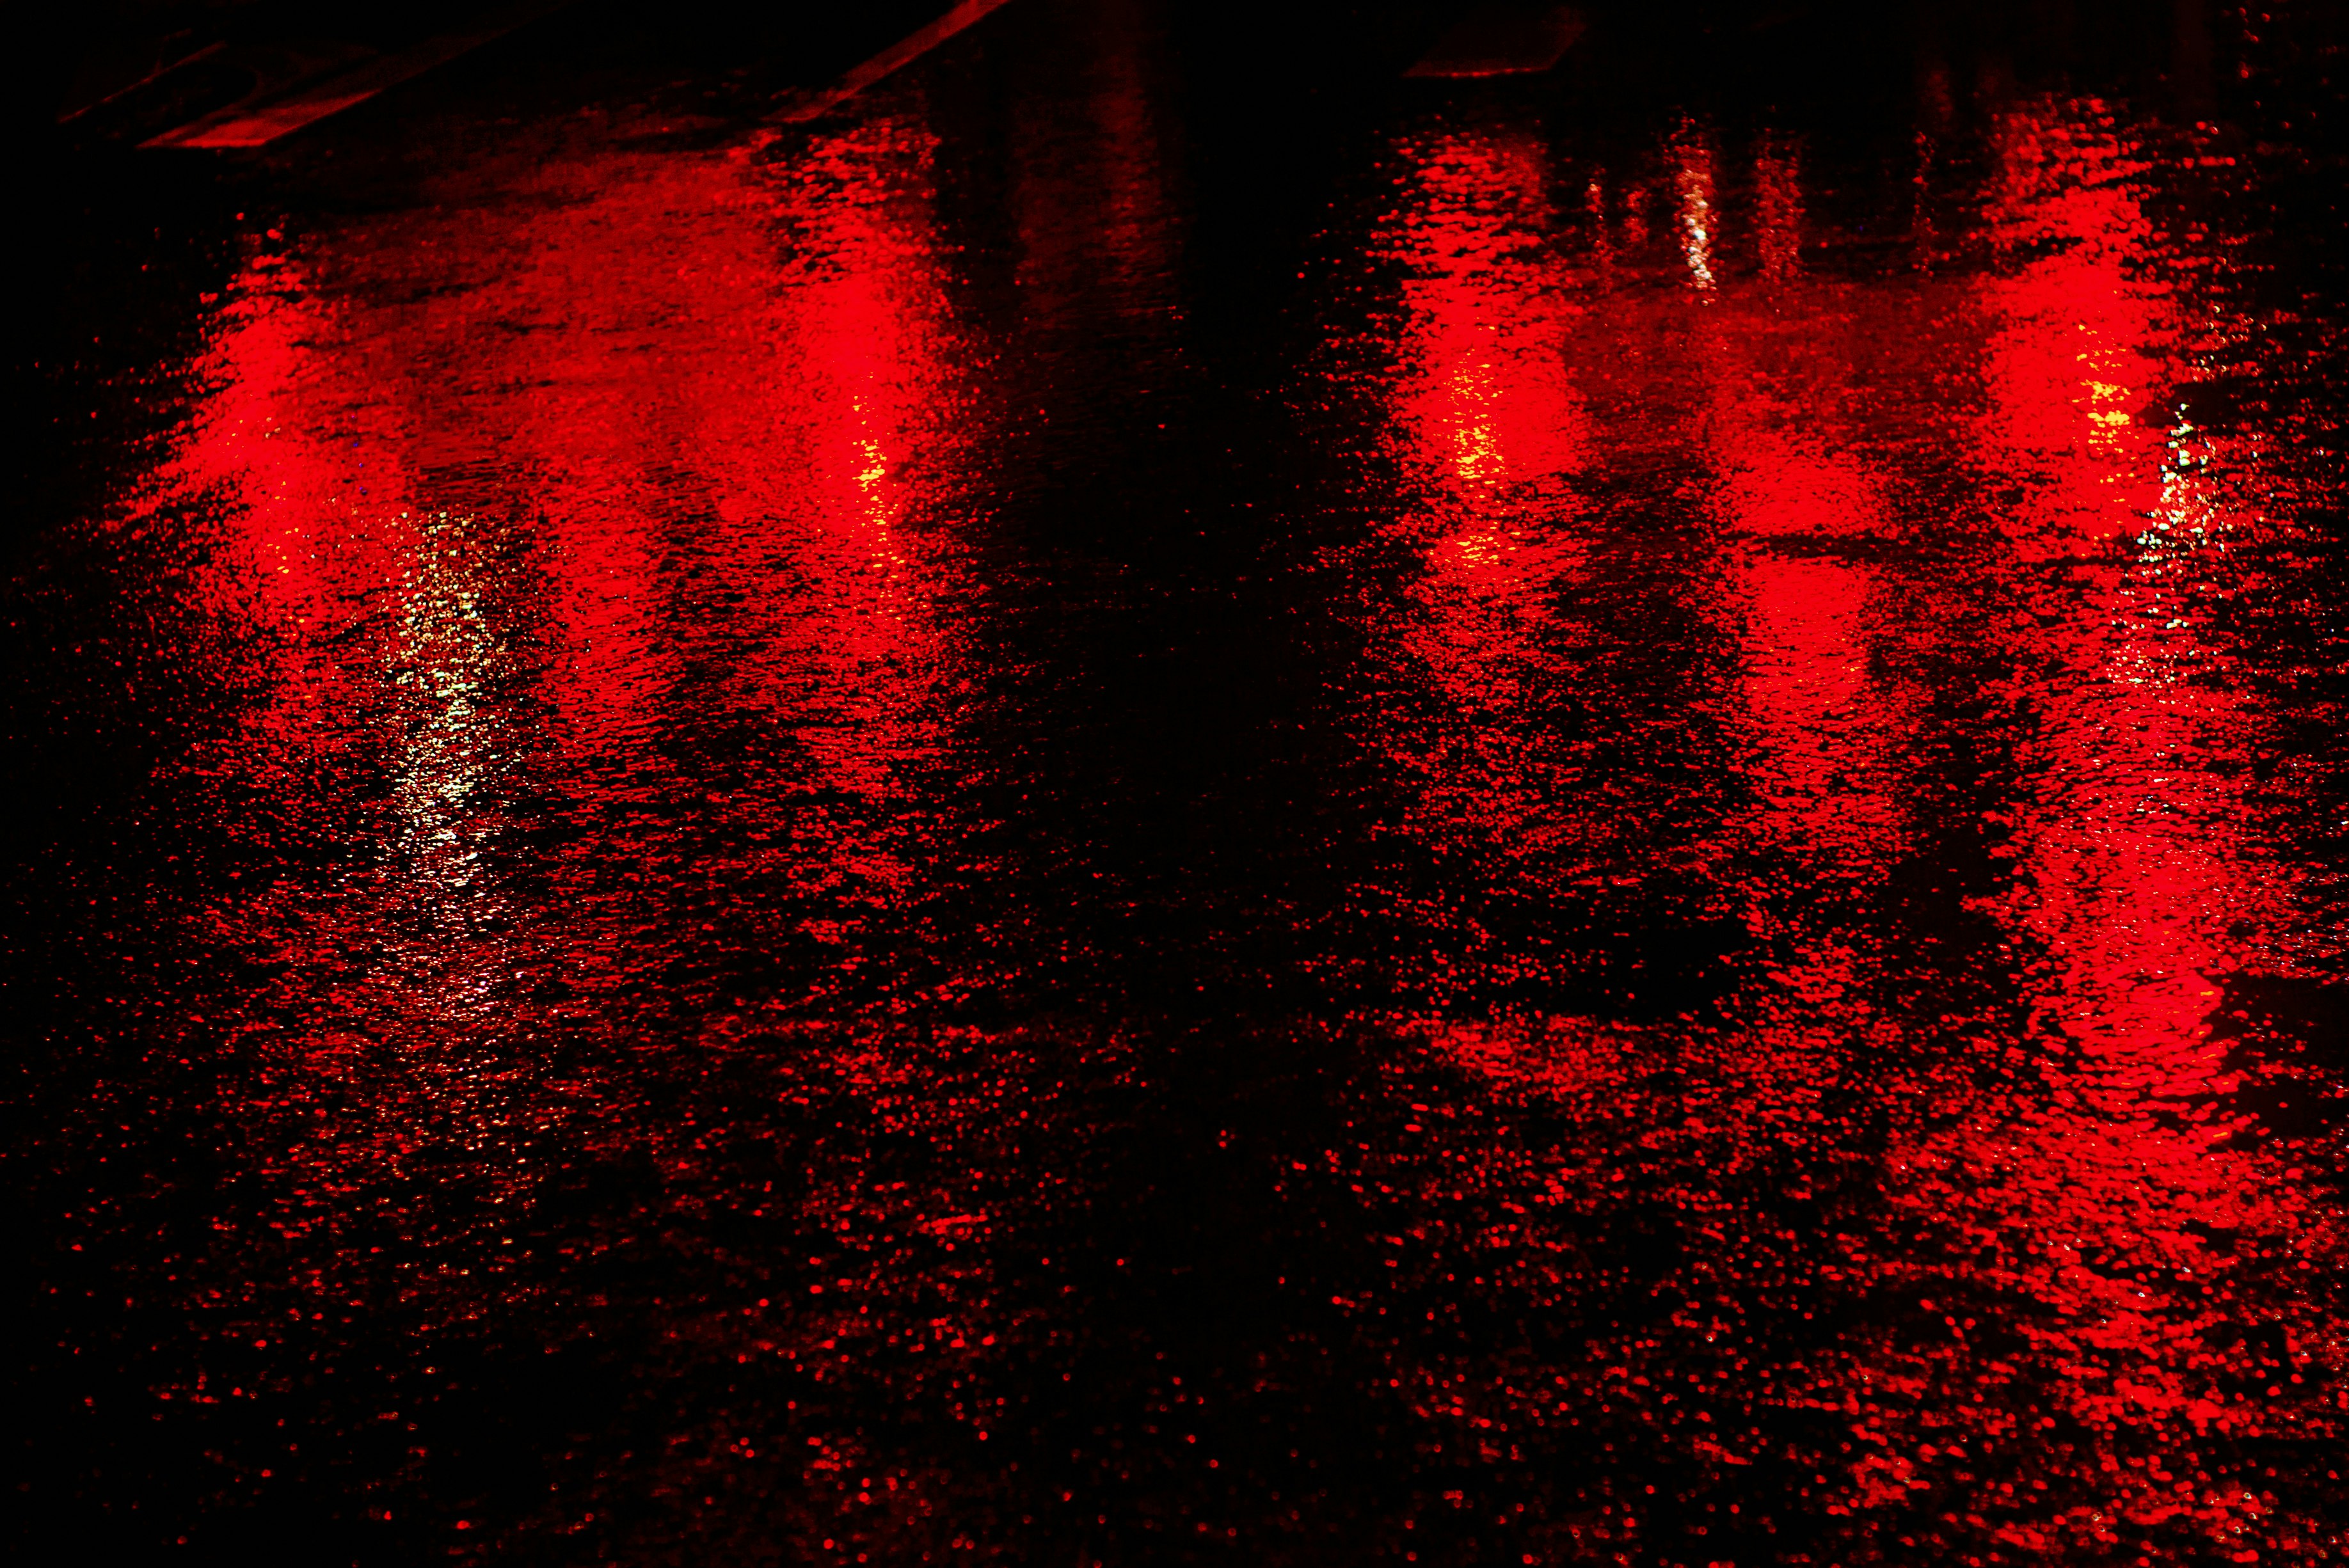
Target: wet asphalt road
column 1162, row 801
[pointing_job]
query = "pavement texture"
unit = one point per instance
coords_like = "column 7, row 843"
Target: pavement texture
column 1157, row 797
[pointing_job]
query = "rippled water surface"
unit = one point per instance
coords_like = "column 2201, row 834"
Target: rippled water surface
column 1079, row 819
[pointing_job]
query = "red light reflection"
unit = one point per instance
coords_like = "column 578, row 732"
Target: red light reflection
column 706, row 566
column 2063, row 1124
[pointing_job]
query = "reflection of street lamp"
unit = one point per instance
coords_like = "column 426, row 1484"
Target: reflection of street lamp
column 1695, row 183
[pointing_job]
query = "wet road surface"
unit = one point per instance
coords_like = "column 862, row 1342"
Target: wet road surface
column 1158, row 801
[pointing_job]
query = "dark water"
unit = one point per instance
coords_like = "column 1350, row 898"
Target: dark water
column 1103, row 815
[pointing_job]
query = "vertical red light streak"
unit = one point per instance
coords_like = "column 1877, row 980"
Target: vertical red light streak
column 717, row 502
column 1490, row 432
column 1827, row 421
